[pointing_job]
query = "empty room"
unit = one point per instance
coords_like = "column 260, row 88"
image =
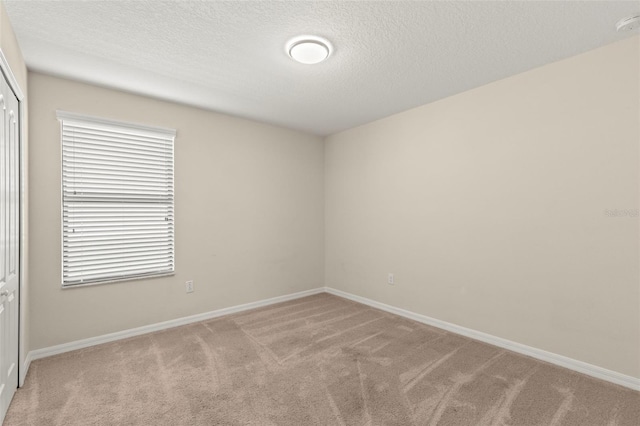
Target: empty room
column 320, row 213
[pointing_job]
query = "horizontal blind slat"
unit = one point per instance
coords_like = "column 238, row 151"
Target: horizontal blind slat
column 106, row 263
column 118, row 272
column 111, row 277
column 123, row 249
column 100, row 133
column 90, row 159
column 120, row 268
column 109, row 243
column 78, row 149
column 87, row 179
column 75, row 138
column 71, row 168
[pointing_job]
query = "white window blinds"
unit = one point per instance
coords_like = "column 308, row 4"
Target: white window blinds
column 117, row 200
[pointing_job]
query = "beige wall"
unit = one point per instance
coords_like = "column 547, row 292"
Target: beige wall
column 490, row 208
column 11, row 51
column 249, row 215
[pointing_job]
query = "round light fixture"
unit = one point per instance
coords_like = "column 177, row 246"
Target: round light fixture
column 308, row 49
column 629, row 23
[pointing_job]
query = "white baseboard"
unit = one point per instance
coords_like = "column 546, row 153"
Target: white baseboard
column 552, row 358
column 124, row 334
column 560, row 360
column 24, row 370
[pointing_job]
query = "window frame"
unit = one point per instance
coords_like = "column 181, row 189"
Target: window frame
column 133, row 129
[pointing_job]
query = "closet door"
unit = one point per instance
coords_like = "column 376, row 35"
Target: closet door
column 9, row 243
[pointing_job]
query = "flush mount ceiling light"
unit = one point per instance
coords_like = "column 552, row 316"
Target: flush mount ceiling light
column 629, row 23
column 308, row 49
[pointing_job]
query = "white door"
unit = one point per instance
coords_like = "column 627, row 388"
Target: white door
column 9, row 243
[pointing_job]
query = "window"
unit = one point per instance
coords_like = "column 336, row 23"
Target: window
column 117, row 201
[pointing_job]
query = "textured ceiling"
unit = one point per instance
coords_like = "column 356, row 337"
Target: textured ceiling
column 230, row 57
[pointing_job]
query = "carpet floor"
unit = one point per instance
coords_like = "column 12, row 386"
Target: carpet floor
column 320, row 360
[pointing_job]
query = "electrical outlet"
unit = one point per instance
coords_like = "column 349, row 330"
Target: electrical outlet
column 189, row 286
column 390, row 279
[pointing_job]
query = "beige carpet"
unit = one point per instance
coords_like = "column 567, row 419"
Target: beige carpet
column 321, row 360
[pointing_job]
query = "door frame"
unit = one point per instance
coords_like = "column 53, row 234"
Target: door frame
column 5, row 69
